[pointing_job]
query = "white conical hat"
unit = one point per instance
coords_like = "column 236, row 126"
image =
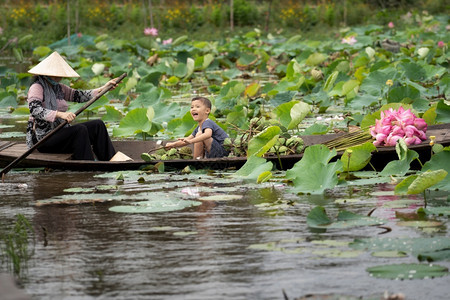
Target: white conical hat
column 54, row 65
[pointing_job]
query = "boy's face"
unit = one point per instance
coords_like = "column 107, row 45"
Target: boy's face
column 199, row 111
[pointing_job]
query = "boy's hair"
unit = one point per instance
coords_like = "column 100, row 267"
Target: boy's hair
column 206, row 102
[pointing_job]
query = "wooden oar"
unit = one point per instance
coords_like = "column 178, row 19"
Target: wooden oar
column 80, row 110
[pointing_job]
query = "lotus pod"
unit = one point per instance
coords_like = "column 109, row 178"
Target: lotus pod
column 317, row 74
column 291, row 141
column 146, row 157
column 171, row 152
column 299, row 148
column 185, row 151
column 255, row 121
column 160, row 151
column 283, row 149
column 227, row 142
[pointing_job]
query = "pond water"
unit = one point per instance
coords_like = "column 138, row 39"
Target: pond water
column 257, row 246
column 217, row 250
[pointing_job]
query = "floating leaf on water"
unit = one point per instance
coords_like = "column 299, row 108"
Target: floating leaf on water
column 223, row 197
column 153, row 206
column 408, row 271
column 388, row 254
column 439, row 211
column 369, row 181
column 415, row 246
column 79, row 190
column 162, row 228
column 402, row 203
column 435, row 256
column 253, row 168
column 185, row 233
column 318, row 218
column 337, row 253
column 347, row 201
column 419, row 224
column 270, row 246
column 332, row 243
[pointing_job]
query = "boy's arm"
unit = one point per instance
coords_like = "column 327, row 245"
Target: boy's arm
column 180, row 143
column 199, row 138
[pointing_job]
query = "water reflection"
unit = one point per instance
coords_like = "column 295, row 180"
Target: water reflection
column 86, row 251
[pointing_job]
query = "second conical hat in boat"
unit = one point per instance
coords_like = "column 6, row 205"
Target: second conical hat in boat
column 54, row 65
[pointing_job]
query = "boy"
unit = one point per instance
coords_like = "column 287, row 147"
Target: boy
column 207, row 137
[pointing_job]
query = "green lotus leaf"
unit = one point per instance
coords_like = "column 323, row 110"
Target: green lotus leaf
column 426, row 180
column 263, row 141
column 136, row 121
column 407, row 271
column 253, row 168
column 414, row 246
column 440, row 161
column 264, row 176
column 313, row 154
column 389, row 254
column 442, row 112
column 318, row 218
column 435, row 256
column 221, row 197
column 438, row 211
column 316, row 59
column 330, row 81
column 154, row 206
column 318, row 179
column 112, row 114
column 252, row 89
column 359, row 157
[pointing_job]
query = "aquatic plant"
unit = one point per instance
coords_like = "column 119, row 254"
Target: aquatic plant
column 14, row 250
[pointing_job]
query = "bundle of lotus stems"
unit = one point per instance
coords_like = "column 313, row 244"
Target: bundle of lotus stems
column 350, row 139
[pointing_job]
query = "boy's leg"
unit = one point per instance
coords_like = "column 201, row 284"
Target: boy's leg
column 199, row 148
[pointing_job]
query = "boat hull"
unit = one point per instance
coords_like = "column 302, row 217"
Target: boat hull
column 11, row 150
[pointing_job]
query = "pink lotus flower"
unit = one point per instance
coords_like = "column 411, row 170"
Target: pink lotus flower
column 151, row 31
column 391, row 25
column 167, row 42
column 441, row 44
column 398, row 124
column 79, row 34
column 349, row 40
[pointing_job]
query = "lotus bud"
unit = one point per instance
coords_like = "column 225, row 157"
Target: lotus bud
column 317, row 74
column 423, row 52
column 432, row 140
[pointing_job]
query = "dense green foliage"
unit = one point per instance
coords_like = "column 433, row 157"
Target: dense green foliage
column 49, row 21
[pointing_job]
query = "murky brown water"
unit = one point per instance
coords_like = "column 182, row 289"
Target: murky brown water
column 85, row 251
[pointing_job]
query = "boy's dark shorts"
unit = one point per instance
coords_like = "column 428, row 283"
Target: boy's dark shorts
column 217, row 150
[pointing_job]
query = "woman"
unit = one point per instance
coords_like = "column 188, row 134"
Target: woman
column 47, row 100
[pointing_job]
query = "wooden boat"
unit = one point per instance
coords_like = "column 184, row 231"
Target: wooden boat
column 11, row 150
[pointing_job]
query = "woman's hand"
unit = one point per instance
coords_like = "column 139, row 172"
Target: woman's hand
column 66, row 115
column 112, row 83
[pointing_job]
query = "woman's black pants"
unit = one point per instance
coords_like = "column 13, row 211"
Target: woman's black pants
column 82, row 140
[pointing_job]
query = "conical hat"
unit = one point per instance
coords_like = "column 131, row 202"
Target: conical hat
column 54, row 65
